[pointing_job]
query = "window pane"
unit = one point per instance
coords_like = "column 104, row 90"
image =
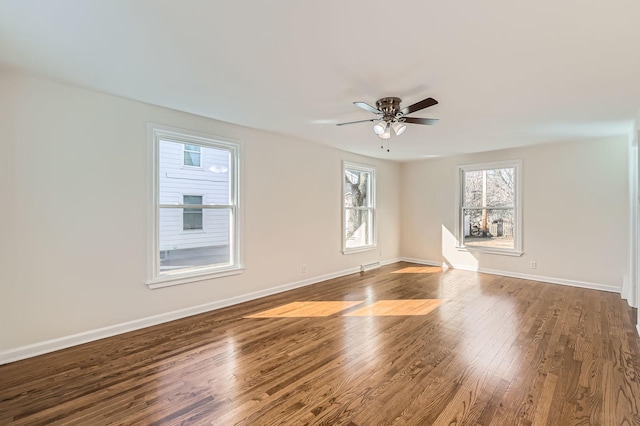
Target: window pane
column 192, row 199
column 473, row 189
column 500, row 188
column 192, row 218
column 358, row 228
column 212, row 180
column 488, row 228
column 181, row 252
column 489, row 188
column 356, row 188
column 358, row 193
column 219, row 174
column 192, row 159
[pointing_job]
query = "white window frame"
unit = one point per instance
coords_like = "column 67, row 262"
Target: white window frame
column 156, row 133
column 372, row 197
column 517, row 239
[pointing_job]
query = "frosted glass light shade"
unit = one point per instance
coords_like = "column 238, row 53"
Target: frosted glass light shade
column 380, row 127
column 399, row 128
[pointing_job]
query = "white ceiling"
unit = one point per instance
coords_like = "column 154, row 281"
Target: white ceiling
column 506, row 72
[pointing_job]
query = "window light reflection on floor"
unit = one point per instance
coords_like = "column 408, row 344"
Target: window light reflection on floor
column 306, row 309
column 406, row 307
column 409, row 307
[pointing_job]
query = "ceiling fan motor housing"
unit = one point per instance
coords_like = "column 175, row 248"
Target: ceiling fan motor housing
column 390, row 108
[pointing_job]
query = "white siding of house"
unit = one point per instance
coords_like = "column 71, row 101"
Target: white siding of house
column 211, row 181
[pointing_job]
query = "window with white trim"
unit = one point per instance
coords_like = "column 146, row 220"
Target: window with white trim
column 359, row 218
column 489, row 213
column 192, row 155
column 195, row 210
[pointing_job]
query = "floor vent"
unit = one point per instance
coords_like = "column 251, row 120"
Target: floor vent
column 369, row 266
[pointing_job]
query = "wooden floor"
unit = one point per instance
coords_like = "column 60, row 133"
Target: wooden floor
column 467, row 348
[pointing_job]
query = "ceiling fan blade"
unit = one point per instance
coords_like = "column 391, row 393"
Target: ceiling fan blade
column 367, row 107
column 354, row 122
column 425, row 103
column 414, row 120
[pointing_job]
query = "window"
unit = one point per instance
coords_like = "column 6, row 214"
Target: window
column 195, row 209
column 192, row 218
column 359, row 208
column 489, row 216
column 192, row 155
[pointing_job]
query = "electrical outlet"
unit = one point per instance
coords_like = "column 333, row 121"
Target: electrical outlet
column 533, row 264
column 304, row 269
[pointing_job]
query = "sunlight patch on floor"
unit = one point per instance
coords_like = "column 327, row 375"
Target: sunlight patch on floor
column 398, row 308
column 418, row 270
column 305, row 309
column 407, row 307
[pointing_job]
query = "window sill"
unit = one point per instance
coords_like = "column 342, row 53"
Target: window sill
column 168, row 281
column 514, row 253
column 358, row 249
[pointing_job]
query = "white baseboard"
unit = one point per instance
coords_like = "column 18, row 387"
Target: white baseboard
column 47, row 346
column 421, row 261
column 552, row 280
column 628, row 292
column 390, row 261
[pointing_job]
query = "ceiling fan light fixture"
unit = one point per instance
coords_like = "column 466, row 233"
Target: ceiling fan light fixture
column 380, row 127
column 387, row 133
column 390, row 115
column 399, row 127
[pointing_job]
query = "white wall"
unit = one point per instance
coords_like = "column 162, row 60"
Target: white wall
column 74, row 202
column 575, row 212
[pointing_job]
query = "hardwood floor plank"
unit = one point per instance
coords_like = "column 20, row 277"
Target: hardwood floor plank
column 373, row 348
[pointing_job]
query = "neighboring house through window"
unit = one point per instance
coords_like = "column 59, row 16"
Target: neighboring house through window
column 489, row 217
column 202, row 198
column 359, row 218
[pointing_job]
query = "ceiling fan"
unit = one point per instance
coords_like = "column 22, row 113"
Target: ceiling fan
column 391, row 116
